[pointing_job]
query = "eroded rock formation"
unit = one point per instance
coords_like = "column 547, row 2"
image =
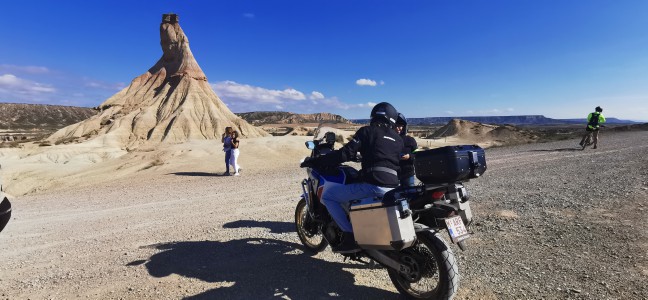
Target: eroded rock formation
column 171, row 102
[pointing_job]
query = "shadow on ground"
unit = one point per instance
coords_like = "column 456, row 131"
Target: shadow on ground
column 275, row 227
column 259, row 269
column 197, row 174
column 557, row 150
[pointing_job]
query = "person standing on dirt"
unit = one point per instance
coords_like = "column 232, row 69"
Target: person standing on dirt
column 594, row 122
column 235, row 153
column 227, row 147
column 406, row 173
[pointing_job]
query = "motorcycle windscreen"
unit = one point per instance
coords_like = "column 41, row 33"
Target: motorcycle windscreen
column 5, row 213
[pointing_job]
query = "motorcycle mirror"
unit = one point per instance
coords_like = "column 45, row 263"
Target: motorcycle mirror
column 310, row 145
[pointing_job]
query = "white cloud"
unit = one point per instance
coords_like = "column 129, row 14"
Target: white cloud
column 243, row 92
column 365, row 82
column 335, row 103
column 105, row 86
column 382, row 82
column 41, row 85
column 249, row 15
column 24, row 69
column 22, row 89
column 316, row 95
column 244, row 98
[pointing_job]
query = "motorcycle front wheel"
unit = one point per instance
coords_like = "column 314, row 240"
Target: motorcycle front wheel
column 434, row 273
column 309, row 232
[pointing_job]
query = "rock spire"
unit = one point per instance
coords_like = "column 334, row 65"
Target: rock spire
column 171, row 102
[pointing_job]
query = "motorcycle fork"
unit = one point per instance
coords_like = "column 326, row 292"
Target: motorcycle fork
column 310, row 197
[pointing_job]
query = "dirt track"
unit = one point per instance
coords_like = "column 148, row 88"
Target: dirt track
column 551, row 222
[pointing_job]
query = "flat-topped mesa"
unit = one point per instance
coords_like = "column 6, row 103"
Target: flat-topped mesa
column 177, row 59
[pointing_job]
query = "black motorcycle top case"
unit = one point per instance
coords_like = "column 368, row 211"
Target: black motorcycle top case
column 450, row 164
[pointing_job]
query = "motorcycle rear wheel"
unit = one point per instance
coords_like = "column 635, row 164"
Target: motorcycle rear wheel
column 309, row 232
column 435, row 273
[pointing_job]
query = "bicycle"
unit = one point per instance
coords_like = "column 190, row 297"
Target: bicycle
column 589, row 139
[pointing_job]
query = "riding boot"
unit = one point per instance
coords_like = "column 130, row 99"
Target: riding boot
column 348, row 244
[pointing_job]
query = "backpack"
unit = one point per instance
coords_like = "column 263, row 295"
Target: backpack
column 594, row 120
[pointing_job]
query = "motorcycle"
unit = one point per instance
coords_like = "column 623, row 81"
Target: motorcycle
column 5, row 208
column 420, row 267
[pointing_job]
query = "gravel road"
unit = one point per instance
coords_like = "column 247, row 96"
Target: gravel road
column 551, row 222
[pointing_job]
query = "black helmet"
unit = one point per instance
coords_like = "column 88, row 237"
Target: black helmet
column 599, row 109
column 385, row 113
column 401, row 120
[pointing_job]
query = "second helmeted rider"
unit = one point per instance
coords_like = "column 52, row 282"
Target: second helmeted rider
column 381, row 147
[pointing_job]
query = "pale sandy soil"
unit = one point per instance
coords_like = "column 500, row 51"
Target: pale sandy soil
column 163, row 223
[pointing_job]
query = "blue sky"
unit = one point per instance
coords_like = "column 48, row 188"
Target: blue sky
column 428, row 58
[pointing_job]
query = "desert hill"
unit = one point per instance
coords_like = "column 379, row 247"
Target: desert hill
column 485, row 134
column 41, row 116
column 171, row 102
column 633, row 127
column 280, row 117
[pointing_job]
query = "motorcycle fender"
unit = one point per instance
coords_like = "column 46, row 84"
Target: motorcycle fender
column 420, row 228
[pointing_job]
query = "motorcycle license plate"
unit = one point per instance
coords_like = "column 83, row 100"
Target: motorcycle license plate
column 456, row 229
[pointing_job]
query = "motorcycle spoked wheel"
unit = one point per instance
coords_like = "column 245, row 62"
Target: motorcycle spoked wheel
column 309, row 232
column 434, row 271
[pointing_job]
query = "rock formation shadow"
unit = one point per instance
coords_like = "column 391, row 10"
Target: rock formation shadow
column 197, row 174
column 260, row 269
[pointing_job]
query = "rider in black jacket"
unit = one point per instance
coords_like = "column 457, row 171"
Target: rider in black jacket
column 381, row 148
column 406, row 173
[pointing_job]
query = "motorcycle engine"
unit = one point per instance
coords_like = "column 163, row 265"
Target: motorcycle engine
column 333, row 234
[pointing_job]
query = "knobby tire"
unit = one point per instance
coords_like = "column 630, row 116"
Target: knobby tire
column 301, row 220
column 447, row 271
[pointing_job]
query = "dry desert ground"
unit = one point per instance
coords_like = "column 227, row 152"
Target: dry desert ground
column 551, row 222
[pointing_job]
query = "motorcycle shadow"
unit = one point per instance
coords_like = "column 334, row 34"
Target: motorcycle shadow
column 275, row 227
column 259, row 268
